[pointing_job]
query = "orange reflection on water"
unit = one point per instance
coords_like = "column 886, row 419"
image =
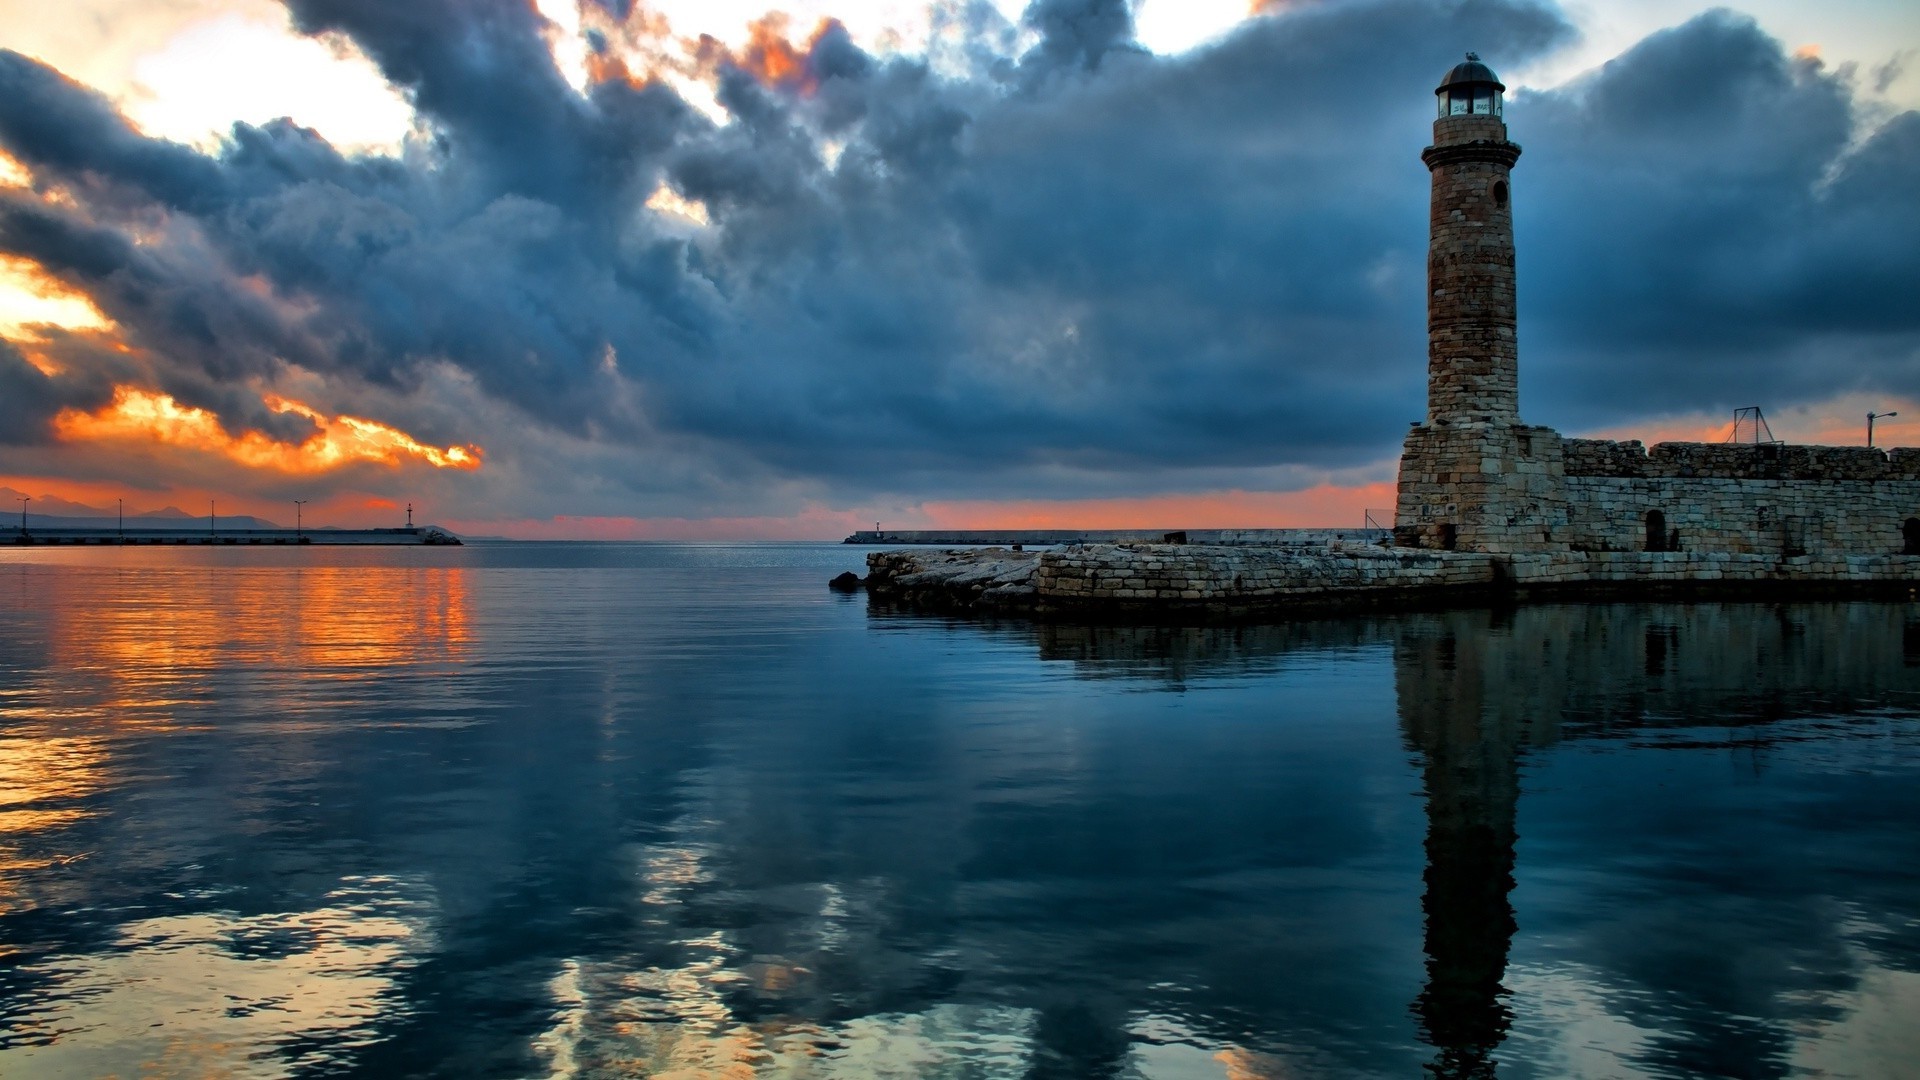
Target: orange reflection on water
column 137, row 647
column 155, row 638
column 42, row 784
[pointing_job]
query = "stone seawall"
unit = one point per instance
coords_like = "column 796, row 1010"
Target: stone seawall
column 1177, row 581
column 1738, row 461
column 1749, row 499
column 1057, row 537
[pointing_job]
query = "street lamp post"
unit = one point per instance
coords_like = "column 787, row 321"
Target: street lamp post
column 120, row 518
column 24, row 500
column 1871, row 417
column 297, row 504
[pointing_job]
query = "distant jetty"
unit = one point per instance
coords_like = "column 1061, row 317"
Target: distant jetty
column 187, row 535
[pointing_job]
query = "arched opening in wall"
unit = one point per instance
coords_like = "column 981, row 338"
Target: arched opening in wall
column 1910, row 532
column 1449, row 536
column 1499, row 193
column 1656, row 530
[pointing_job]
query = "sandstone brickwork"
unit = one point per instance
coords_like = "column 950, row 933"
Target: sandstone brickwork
column 1493, row 488
column 1764, row 499
column 1472, row 347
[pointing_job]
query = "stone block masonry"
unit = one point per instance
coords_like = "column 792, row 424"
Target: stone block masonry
column 1750, row 499
column 1176, row 579
column 1154, row 582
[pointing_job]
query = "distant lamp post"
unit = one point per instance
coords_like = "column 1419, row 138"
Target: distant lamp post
column 1871, row 417
column 297, row 504
column 209, row 519
column 24, row 500
column 120, row 518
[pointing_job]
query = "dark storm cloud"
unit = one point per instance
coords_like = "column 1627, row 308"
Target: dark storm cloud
column 77, row 133
column 29, row 399
column 1078, row 34
column 1072, row 269
column 1699, row 230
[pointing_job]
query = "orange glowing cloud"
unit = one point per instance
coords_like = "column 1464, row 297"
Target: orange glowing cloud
column 29, row 296
column 769, row 56
column 137, row 415
column 12, row 173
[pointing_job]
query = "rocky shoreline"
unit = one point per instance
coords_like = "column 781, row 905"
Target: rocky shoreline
column 1155, row 582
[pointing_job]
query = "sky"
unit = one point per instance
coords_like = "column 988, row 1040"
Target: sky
column 701, row 269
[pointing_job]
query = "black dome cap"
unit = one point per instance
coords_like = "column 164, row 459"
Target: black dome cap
column 1471, row 72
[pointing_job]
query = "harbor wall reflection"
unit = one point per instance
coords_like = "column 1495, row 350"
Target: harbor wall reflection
column 1477, row 690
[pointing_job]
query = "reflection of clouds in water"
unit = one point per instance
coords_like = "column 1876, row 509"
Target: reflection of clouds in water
column 1568, row 1027
column 1163, row 1047
column 1580, row 1019
column 601, row 1031
column 1876, row 1027
column 760, row 981
column 609, row 1025
column 220, row 993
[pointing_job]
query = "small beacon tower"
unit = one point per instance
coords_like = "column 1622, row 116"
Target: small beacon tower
column 1472, row 477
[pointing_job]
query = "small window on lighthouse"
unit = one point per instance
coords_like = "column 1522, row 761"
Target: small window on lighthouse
column 1499, row 193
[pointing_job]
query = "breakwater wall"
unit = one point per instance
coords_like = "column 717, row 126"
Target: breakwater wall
column 1765, row 498
column 104, row 537
column 1289, row 538
column 1180, row 580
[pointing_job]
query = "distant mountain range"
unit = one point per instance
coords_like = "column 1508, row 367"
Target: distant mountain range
column 53, row 512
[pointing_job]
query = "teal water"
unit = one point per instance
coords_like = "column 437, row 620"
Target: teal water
column 677, row 810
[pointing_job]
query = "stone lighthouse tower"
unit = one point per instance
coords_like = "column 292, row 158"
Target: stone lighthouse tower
column 1472, row 476
column 1473, row 366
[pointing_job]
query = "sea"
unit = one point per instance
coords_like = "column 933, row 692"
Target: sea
column 679, row 810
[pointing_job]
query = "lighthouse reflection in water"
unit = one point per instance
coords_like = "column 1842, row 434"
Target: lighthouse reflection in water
column 635, row 810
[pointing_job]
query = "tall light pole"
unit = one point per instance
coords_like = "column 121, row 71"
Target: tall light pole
column 120, row 518
column 1871, row 417
column 209, row 519
column 297, row 504
column 24, row 500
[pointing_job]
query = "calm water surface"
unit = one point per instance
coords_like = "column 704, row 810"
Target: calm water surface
column 676, row 810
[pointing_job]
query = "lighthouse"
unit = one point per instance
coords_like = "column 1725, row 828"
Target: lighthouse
column 1472, row 355
column 1472, row 476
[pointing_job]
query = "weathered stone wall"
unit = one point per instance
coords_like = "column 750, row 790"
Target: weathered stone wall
column 1739, row 461
column 1472, row 350
column 1051, row 537
column 1494, row 488
column 1773, row 500
column 1156, row 579
column 1162, row 574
